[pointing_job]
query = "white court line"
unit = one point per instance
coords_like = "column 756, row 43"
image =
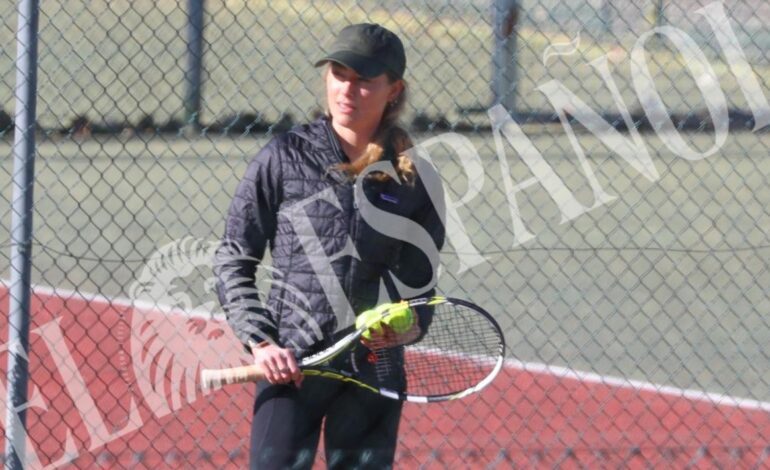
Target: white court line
column 120, row 301
column 638, row 385
column 512, row 364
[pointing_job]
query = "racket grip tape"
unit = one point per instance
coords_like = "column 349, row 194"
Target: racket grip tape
column 213, row 378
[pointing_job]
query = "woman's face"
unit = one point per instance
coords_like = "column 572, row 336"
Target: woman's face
column 358, row 103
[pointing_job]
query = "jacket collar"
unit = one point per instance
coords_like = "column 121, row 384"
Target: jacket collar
column 319, row 134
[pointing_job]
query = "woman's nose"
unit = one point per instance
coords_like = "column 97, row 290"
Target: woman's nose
column 348, row 87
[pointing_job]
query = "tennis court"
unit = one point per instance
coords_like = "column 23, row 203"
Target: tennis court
column 532, row 415
column 636, row 332
column 592, row 377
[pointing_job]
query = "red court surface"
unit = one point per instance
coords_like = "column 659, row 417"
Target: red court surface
column 89, row 409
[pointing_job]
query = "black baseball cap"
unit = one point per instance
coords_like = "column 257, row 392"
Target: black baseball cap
column 369, row 49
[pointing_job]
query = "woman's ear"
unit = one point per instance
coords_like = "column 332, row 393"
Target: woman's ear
column 397, row 88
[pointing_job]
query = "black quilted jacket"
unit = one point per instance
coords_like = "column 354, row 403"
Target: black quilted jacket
column 295, row 202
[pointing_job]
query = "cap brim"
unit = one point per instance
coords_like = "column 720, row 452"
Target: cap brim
column 363, row 66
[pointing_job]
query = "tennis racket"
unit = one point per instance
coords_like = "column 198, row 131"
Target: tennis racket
column 458, row 350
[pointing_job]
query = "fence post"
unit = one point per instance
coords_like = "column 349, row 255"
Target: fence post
column 606, row 16
column 21, row 234
column 505, row 16
column 659, row 13
column 194, row 74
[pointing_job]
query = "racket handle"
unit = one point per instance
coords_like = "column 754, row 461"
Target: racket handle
column 213, row 378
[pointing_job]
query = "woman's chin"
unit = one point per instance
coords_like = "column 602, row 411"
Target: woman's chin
column 343, row 119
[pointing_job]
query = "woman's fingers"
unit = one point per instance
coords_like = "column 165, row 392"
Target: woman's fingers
column 291, row 368
column 295, row 374
column 379, row 339
column 279, row 364
column 387, row 338
column 270, row 366
column 287, row 366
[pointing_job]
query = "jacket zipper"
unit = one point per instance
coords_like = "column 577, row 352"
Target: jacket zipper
column 352, row 230
column 352, row 223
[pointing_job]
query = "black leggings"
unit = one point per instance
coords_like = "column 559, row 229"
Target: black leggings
column 360, row 431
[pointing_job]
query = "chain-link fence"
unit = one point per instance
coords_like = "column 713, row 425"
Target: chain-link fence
column 631, row 278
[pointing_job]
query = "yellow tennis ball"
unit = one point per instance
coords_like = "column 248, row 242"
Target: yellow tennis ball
column 369, row 318
column 400, row 319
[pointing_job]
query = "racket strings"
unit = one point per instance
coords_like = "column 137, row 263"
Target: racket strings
column 383, row 366
column 459, row 350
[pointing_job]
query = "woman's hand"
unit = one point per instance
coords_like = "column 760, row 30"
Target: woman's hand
column 399, row 326
column 386, row 337
column 279, row 363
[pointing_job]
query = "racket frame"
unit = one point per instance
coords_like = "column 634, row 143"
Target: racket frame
column 311, row 365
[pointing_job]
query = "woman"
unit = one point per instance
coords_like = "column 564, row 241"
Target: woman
column 298, row 197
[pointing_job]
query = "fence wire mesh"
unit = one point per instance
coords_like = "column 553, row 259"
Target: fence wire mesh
column 634, row 299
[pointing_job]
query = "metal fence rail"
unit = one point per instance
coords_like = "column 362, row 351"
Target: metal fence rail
column 633, row 294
